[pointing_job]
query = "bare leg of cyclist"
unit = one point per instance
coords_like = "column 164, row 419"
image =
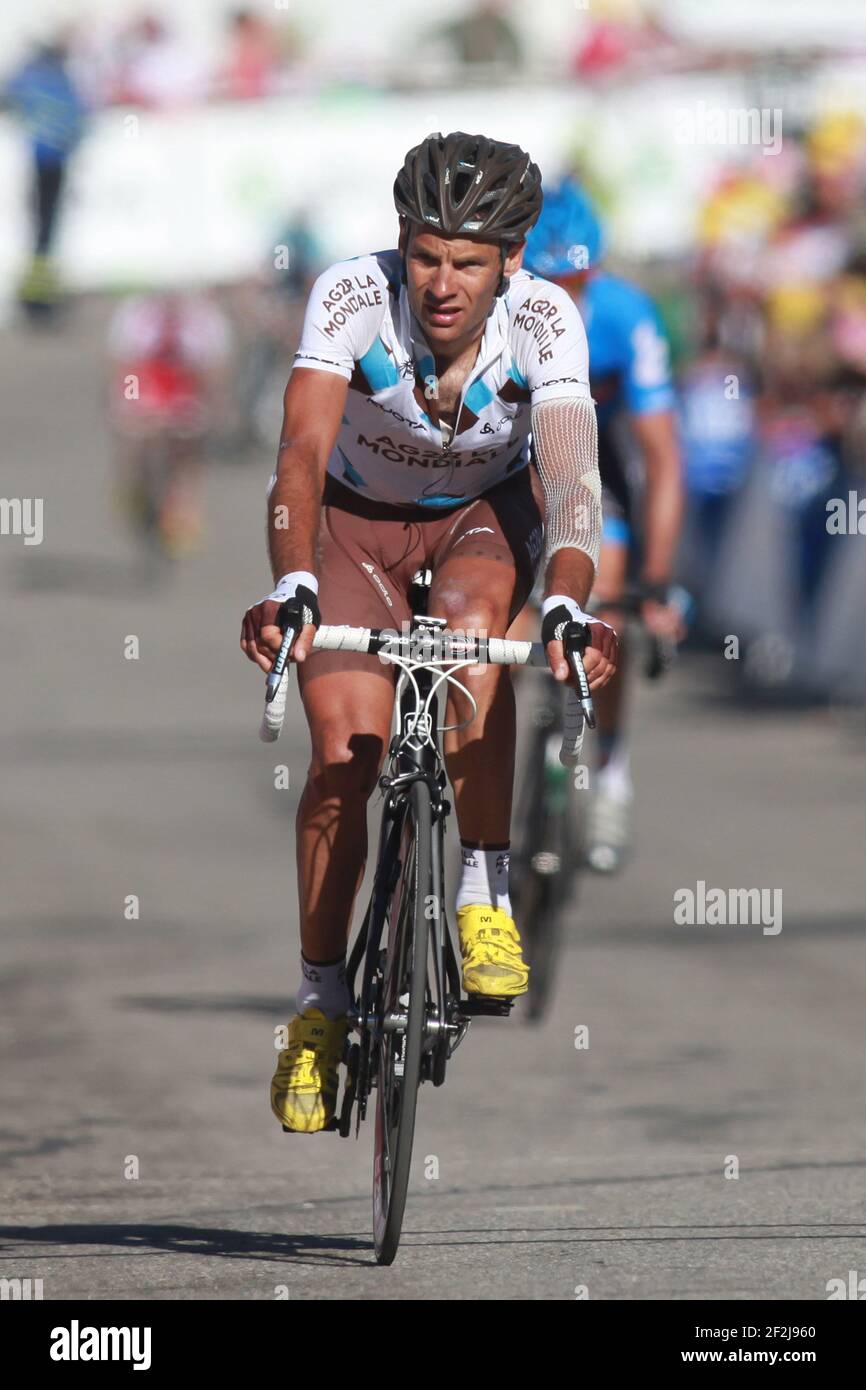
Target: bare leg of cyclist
column 128, row 476
column 180, row 518
column 475, row 593
column 349, row 715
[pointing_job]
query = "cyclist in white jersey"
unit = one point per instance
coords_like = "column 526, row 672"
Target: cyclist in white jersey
column 419, row 376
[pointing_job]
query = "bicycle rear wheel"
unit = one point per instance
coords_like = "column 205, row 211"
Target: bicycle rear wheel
column 401, row 1045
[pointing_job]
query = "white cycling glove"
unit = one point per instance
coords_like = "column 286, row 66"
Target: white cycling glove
column 577, row 613
column 288, row 586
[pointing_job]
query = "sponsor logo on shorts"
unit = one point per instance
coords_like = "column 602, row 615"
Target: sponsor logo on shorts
column 377, row 581
column 533, row 545
column 473, row 531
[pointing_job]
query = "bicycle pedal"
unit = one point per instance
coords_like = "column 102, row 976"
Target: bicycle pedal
column 492, row 1005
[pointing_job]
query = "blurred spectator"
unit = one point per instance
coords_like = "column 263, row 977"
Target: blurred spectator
column 253, row 62
column 484, row 35
column 848, row 317
column 168, row 397
column 718, row 433
column 297, row 257
column 157, row 69
column 43, row 94
column 836, row 147
column 621, row 35
column 268, row 312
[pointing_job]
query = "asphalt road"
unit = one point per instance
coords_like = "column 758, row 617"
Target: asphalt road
column 559, row 1169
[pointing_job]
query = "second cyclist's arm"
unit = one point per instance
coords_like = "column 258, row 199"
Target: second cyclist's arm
column 656, row 436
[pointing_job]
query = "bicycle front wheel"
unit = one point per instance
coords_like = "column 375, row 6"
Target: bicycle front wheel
column 403, row 1025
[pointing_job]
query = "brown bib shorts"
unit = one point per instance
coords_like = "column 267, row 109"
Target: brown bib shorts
column 369, row 552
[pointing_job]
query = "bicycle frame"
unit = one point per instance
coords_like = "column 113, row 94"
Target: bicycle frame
column 411, row 759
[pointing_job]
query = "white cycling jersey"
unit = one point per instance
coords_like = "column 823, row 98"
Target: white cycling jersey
column 359, row 324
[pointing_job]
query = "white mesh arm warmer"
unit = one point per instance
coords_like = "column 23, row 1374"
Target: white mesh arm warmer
column 565, row 445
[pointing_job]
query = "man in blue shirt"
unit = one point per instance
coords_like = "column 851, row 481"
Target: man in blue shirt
column 42, row 93
column 631, row 385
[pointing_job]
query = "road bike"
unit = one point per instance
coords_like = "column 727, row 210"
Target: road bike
column 547, row 845
column 410, row 1014
column 547, row 858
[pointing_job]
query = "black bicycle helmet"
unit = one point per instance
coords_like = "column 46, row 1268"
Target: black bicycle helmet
column 470, row 184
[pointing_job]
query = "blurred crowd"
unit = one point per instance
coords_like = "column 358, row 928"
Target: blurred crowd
column 152, row 59
column 768, row 330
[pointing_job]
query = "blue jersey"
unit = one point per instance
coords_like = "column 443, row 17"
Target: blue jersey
column 629, row 373
column 629, row 358
column 43, row 94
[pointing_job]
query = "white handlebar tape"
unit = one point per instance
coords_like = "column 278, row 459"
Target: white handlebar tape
column 275, row 712
column 575, row 727
column 500, row 652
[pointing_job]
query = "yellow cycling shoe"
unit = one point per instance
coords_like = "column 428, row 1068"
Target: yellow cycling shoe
column 304, row 1085
column 493, row 963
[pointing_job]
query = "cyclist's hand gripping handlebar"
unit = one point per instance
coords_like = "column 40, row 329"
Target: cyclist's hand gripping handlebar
column 558, row 625
column 579, row 711
column 293, row 615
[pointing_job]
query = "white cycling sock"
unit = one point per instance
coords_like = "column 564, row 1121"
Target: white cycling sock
column 323, row 987
column 614, row 778
column 484, row 876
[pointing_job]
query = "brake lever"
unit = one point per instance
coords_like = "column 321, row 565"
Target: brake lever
column 275, row 675
column 579, row 632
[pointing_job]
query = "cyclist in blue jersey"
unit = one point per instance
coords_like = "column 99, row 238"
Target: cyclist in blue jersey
column 631, row 385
